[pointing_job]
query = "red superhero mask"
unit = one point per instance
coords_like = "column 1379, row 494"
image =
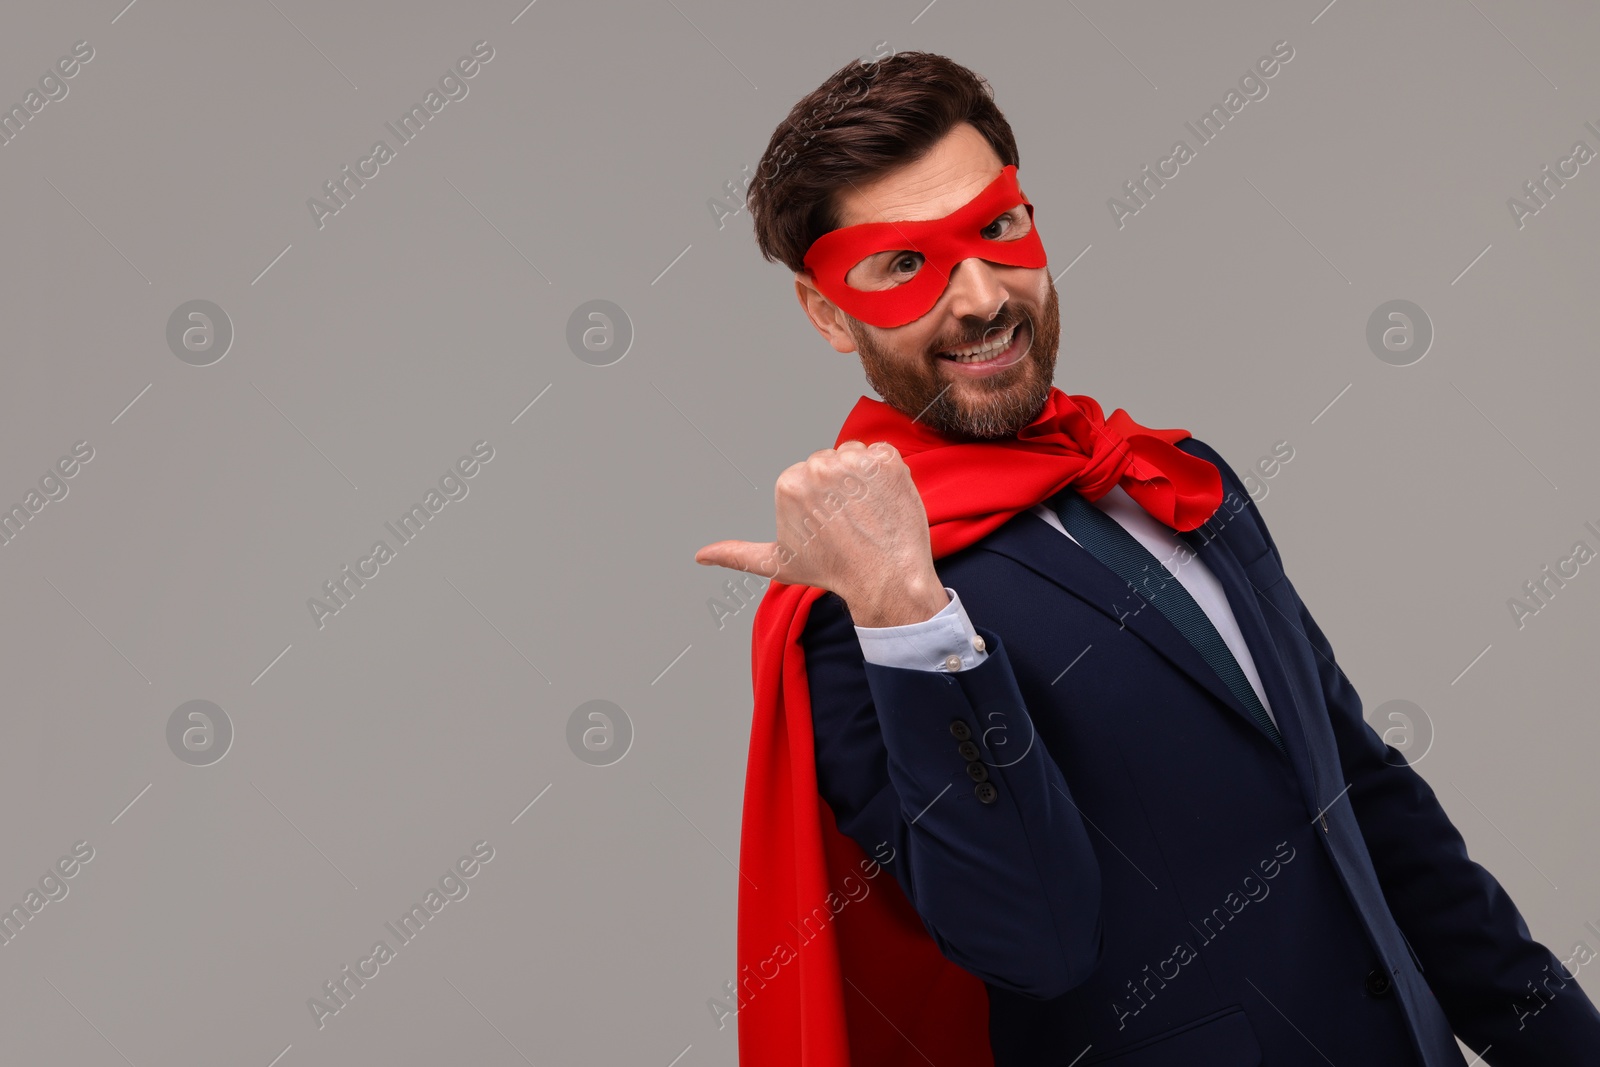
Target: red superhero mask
column 942, row 243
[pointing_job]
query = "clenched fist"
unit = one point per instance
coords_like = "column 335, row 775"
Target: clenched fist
column 849, row 520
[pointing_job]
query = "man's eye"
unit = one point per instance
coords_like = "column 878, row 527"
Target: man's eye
column 1004, row 222
column 885, row 270
column 906, row 263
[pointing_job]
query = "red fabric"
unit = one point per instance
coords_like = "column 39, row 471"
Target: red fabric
column 943, row 242
column 862, row 983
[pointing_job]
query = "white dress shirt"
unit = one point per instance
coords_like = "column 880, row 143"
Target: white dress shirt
column 948, row 641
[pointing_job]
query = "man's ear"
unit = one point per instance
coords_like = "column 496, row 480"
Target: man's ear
column 827, row 318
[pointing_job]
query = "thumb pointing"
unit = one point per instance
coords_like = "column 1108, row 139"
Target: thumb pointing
column 736, row 555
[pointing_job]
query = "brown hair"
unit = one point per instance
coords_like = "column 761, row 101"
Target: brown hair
column 863, row 121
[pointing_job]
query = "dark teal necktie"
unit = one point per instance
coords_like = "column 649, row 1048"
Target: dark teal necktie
column 1107, row 541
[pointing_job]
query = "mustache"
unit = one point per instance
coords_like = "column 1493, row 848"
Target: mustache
column 988, row 333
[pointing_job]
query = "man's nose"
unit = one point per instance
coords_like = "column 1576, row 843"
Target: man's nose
column 975, row 290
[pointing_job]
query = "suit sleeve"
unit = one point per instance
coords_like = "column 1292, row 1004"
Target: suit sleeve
column 1473, row 946
column 990, row 851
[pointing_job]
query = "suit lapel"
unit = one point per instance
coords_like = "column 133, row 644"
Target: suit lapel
column 1242, row 595
column 1040, row 547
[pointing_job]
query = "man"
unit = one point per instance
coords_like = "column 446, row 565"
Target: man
column 1046, row 668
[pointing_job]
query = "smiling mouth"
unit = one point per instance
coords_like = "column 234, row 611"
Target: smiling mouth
column 992, row 356
column 983, row 352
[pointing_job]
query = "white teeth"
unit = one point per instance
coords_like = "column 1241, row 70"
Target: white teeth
column 980, row 353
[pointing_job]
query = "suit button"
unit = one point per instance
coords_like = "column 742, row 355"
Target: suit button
column 968, row 750
column 1378, row 984
column 977, row 772
column 987, row 793
column 960, row 730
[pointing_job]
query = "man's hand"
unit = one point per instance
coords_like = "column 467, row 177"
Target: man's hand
column 856, row 526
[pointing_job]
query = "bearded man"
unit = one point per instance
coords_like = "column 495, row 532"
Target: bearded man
column 1046, row 668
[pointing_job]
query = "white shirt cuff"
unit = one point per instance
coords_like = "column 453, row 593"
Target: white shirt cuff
column 945, row 642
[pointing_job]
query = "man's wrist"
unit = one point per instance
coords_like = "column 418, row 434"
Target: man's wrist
column 909, row 602
column 939, row 643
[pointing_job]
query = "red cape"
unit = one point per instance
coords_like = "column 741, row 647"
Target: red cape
column 830, row 975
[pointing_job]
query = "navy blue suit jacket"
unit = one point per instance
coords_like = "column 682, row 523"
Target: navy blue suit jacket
column 1151, row 882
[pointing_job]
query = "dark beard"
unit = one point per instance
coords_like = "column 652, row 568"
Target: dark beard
column 982, row 408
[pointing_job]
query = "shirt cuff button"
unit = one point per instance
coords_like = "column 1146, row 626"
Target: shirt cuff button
column 952, row 662
column 977, row 643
